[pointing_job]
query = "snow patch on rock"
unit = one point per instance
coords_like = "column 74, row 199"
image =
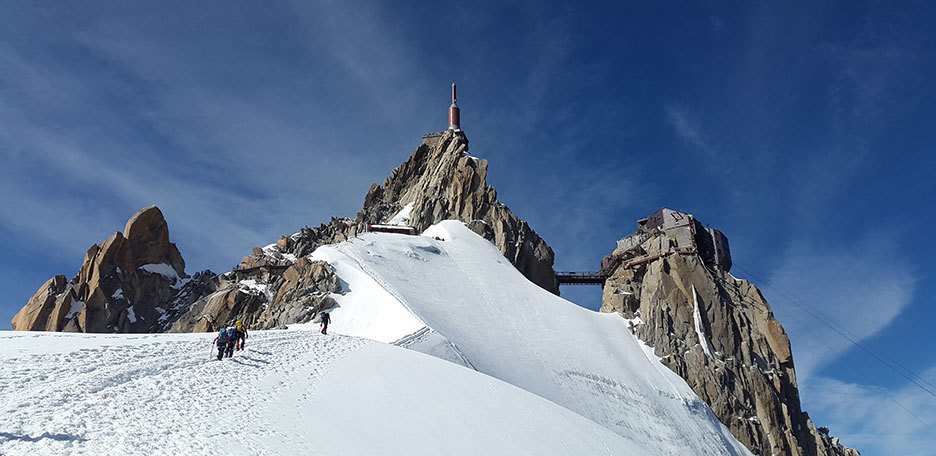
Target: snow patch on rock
column 76, row 306
column 700, row 330
column 166, row 271
column 402, row 217
column 252, row 286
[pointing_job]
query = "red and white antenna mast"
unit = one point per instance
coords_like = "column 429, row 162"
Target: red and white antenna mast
column 454, row 120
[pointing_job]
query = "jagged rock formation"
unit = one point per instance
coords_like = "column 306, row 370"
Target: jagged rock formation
column 441, row 182
column 276, row 285
column 672, row 280
column 136, row 282
column 132, row 282
column 264, row 295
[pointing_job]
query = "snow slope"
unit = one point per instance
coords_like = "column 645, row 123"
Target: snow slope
column 471, row 306
column 530, row 373
column 289, row 392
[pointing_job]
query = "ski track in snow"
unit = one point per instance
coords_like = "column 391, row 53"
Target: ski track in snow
column 52, row 402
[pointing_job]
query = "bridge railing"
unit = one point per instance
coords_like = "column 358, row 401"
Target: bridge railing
column 570, row 277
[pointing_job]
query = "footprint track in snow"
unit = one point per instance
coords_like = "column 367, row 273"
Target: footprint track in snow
column 49, row 401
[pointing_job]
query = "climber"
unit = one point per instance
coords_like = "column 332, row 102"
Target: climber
column 222, row 341
column 241, row 335
column 325, row 319
column 231, row 340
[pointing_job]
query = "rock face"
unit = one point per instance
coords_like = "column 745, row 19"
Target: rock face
column 263, row 295
column 132, row 282
column 715, row 331
column 441, row 181
column 671, row 279
column 135, row 280
column 277, row 285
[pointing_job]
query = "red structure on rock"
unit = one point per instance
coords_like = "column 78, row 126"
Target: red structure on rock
column 397, row 229
column 454, row 120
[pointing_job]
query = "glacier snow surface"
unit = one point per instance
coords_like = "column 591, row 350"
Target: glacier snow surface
column 530, row 373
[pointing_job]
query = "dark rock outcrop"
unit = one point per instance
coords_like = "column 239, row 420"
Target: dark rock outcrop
column 717, row 332
column 131, row 282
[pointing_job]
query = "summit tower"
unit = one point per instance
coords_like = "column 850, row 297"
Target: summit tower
column 454, row 120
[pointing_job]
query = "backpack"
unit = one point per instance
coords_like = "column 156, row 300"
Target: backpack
column 222, row 336
column 232, row 334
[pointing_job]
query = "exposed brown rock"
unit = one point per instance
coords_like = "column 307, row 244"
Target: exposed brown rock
column 748, row 380
column 263, row 297
column 128, row 283
column 135, row 281
column 443, row 182
column 42, row 312
column 147, row 234
column 440, row 181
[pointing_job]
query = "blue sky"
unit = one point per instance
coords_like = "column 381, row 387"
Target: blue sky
column 803, row 130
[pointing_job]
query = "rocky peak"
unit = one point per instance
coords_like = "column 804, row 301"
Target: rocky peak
column 147, row 236
column 125, row 284
column 277, row 285
column 135, row 280
column 440, row 181
column 671, row 280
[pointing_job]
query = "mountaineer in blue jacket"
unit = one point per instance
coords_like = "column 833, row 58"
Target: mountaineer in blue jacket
column 222, row 341
column 231, row 341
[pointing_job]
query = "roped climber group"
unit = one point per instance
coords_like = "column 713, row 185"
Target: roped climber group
column 230, row 339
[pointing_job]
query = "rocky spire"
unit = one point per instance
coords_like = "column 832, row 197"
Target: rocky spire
column 717, row 332
column 440, row 181
column 125, row 284
column 135, row 281
column 277, row 285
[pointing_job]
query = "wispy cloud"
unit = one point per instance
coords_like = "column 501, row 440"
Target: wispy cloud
column 687, row 127
column 868, row 79
column 861, row 287
column 146, row 115
column 877, row 420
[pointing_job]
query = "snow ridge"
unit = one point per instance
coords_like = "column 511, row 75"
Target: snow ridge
column 476, row 302
column 484, row 362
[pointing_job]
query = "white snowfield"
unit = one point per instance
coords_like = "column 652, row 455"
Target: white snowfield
column 287, row 393
column 474, row 308
column 530, row 373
